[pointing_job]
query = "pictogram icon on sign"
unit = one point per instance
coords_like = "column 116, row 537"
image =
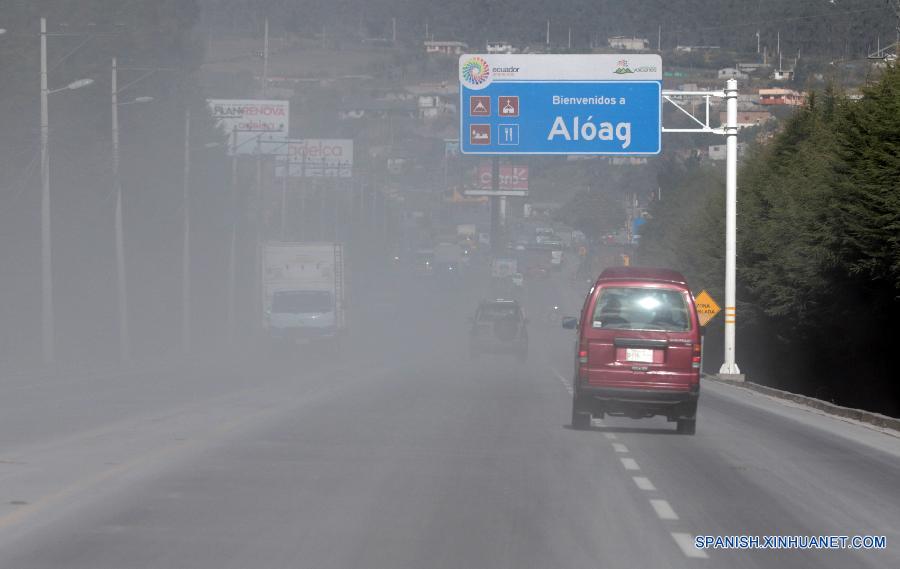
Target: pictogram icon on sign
column 508, row 134
column 480, row 106
column 480, row 134
column 509, row 106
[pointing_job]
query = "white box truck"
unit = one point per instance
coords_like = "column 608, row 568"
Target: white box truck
column 303, row 290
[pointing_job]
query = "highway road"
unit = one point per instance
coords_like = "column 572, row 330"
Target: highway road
column 403, row 453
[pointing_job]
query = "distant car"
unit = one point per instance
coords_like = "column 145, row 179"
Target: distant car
column 423, row 263
column 449, row 270
column 499, row 327
column 638, row 348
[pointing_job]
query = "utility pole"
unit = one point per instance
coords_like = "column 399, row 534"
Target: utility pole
column 284, row 192
column 121, row 283
column 548, row 31
column 265, row 75
column 659, row 39
column 232, row 250
column 394, row 30
column 495, row 206
column 48, row 332
column 257, row 245
column 186, row 244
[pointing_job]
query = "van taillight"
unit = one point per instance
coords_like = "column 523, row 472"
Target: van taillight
column 582, row 356
column 695, row 361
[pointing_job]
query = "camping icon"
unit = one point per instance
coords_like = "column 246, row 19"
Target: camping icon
column 480, row 106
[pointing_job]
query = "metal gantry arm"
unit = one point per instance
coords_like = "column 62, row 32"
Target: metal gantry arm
column 702, row 125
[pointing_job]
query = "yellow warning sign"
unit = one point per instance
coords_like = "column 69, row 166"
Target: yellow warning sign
column 706, row 307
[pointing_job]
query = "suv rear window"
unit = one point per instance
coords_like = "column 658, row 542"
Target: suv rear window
column 498, row 311
column 639, row 308
column 301, row 301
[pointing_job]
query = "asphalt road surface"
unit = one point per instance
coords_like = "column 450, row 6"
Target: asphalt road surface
column 403, row 453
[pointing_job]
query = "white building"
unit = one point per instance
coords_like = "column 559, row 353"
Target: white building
column 629, row 44
column 783, row 75
column 719, row 151
column 732, row 73
column 500, row 47
column 445, row 47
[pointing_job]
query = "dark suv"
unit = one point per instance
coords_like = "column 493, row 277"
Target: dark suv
column 499, row 327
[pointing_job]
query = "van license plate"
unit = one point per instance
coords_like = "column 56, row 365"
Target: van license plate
column 638, row 355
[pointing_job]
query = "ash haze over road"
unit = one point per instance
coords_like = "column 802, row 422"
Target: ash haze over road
column 211, row 359
column 406, row 454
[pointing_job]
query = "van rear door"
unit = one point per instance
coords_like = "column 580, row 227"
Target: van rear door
column 640, row 336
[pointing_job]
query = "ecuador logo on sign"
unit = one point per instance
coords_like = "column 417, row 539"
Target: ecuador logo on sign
column 706, row 307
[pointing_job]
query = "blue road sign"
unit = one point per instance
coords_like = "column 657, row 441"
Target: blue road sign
column 560, row 104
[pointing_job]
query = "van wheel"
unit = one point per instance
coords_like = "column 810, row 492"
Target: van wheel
column 687, row 426
column 580, row 420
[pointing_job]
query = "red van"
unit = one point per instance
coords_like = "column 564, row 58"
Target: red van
column 638, row 351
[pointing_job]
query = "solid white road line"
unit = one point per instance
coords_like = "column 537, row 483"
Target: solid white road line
column 630, row 464
column 664, row 511
column 685, row 542
column 619, row 447
column 644, row 483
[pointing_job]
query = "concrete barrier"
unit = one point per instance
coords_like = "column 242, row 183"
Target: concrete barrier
column 875, row 419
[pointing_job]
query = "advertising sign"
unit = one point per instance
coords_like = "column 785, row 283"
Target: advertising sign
column 316, row 158
column 513, row 181
column 256, row 123
column 560, row 104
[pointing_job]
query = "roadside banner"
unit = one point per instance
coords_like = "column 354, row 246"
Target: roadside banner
column 513, row 181
column 252, row 125
column 315, row 158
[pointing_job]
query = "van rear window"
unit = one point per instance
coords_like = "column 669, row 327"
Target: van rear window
column 638, row 308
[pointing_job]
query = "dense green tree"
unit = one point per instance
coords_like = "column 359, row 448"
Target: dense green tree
column 818, row 251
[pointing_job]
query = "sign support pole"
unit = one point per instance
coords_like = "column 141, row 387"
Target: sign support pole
column 729, row 369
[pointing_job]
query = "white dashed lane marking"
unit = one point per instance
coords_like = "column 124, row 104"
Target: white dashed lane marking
column 686, row 542
column 644, row 483
column 630, row 464
column 564, row 381
column 610, row 436
column 619, row 447
column 664, row 511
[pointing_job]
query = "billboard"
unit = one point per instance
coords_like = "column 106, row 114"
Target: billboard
column 252, row 125
column 591, row 104
column 513, row 181
column 316, row 158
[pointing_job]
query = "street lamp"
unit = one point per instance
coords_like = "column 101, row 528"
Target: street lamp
column 47, row 318
column 121, row 281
